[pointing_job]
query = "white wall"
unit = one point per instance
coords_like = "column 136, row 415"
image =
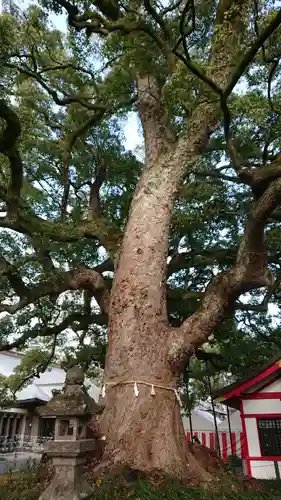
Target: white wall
column 263, row 469
column 201, row 421
column 52, row 378
column 260, row 406
column 47, row 389
column 235, row 423
column 274, row 387
column 8, row 364
column 252, row 437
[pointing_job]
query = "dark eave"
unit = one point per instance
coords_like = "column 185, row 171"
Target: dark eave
column 27, row 403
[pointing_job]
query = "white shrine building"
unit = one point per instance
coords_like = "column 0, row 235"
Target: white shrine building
column 258, row 398
column 22, row 420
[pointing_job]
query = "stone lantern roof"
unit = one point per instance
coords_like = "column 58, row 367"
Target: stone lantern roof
column 73, row 401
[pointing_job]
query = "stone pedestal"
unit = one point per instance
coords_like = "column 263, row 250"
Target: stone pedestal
column 73, row 409
column 68, row 482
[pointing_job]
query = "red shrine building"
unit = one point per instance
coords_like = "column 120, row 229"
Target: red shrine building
column 258, row 398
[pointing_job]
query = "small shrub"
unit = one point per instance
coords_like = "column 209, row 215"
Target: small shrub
column 234, row 462
column 29, row 486
column 20, row 486
column 271, row 485
column 117, row 488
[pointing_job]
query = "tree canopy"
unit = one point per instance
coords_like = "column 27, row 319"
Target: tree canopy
column 67, row 179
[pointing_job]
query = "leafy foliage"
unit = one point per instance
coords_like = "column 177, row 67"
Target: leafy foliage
column 19, row 485
column 72, row 91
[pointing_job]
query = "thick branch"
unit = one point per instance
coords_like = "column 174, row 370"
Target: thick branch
column 251, row 53
column 8, row 148
column 263, row 307
column 13, row 276
column 13, row 128
column 93, row 120
column 212, row 357
column 81, row 278
column 43, row 256
column 209, row 256
column 257, row 178
column 32, row 225
column 94, row 200
column 108, row 8
column 38, row 331
column 249, row 272
column 93, row 22
column 64, row 101
column 158, row 136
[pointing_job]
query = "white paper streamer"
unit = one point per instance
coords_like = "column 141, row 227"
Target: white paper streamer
column 178, row 397
column 136, row 389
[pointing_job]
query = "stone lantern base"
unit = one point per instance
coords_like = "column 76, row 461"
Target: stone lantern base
column 68, row 482
column 73, row 409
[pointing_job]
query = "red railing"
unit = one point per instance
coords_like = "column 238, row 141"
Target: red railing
column 209, row 439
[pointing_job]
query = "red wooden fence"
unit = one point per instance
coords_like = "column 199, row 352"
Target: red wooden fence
column 209, row 439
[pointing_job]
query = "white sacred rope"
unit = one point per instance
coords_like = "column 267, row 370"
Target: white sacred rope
column 141, row 382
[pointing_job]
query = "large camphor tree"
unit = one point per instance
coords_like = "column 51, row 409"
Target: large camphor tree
column 153, row 248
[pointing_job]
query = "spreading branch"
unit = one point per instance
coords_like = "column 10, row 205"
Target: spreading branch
column 67, row 232
column 12, row 274
column 95, row 186
column 249, row 272
column 257, row 178
column 105, row 266
column 249, row 56
column 93, row 22
column 108, row 8
column 51, row 331
column 158, row 135
column 59, row 282
column 8, row 147
column 90, row 122
column 40, row 368
column 158, row 18
column 263, row 307
column 208, row 256
column 84, row 101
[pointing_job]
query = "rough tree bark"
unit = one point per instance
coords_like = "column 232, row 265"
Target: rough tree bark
column 145, row 431
column 146, row 356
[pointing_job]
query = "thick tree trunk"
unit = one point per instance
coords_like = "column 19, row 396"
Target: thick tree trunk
column 145, row 431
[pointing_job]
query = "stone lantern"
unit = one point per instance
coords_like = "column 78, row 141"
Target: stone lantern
column 73, row 409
